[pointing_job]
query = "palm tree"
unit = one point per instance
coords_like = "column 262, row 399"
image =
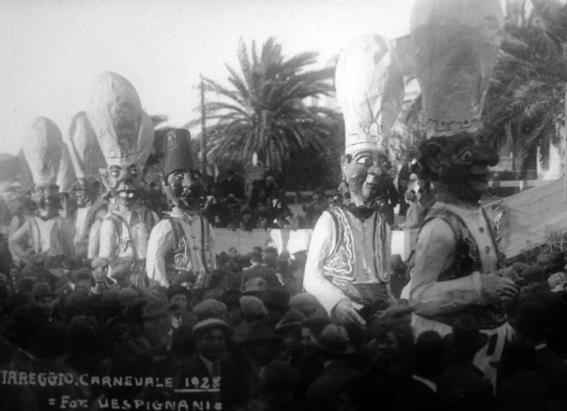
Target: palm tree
column 264, row 109
column 525, row 102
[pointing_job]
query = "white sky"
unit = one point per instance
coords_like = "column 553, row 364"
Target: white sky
column 51, row 50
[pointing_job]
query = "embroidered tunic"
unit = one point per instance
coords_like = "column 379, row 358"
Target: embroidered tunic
column 52, row 237
column 181, row 249
column 455, row 247
column 124, row 236
column 347, row 258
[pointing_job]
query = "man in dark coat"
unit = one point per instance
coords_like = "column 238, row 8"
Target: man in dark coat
column 229, row 376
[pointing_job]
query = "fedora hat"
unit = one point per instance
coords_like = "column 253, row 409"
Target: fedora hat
column 293, row 318
column 334, row 339
column 210, row 308
column 466, row 336
column 209, row 324
column 40, row 290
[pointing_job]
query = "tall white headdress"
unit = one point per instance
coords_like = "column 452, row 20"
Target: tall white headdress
column 43, row 147
column 84, row 150
column 66, row 177
column 370, row 91
column 123, row 130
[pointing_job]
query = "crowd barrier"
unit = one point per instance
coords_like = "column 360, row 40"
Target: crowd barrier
column 293, row 241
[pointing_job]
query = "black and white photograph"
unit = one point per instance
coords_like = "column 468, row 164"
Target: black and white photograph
column 268, row 205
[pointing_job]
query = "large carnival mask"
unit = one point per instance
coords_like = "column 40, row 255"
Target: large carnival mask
column 47, row 200
column 459, row 166
column 124, row 133
column 85, row 191
column 186, row 188
column 367, row 174
column 124, row 183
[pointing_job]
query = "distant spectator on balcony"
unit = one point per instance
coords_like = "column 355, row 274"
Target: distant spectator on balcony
column 316, row 206
column 232, row 184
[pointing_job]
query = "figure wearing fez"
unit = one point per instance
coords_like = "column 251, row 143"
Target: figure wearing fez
column 348, row 262
column 87, row 160
column 46, row 237
column 125, row 136
column 457, row 268
column 181, row 250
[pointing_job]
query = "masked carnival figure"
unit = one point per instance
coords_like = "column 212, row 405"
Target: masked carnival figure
column 125, row 136
column 457, row 267
column 181, row 249
column 46, row 237
column 87, row 160
column 348, row 263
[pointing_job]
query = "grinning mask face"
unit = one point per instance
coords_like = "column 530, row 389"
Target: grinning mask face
column 85, row 191
column 368, row 175
column 186, row 188
column 459, row 166
column 125, row 183
column 47, row 199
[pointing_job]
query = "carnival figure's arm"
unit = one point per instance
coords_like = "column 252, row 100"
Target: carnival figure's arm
column 434, row 253
column 321, row 244
column 17, row 239
column 213, row 247
column 67, row 238
column 387, row 270
column 108, row 241
column 94, row 240
column 160, row 242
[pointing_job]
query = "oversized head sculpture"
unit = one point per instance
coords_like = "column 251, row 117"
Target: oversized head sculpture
column 125, row 135
column 184, row 184
column 370, row 90
column 43, row 148
column 456, row 43
column 86, row 157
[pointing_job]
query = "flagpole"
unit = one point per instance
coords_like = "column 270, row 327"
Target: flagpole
column 203, row 130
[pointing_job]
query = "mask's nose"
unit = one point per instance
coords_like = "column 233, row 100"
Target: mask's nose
column 484, row 153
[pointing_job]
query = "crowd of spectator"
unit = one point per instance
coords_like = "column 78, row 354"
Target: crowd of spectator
column 273, row 346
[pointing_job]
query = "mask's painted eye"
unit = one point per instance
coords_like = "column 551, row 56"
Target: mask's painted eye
column 133, row 171
column 365, row 160
column 114, row 172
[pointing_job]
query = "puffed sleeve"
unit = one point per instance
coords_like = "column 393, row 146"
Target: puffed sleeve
column 160, row 242
column 321, row 244
column 108, row 241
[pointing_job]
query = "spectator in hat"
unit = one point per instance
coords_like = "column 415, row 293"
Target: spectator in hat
column 179, row 299
column 421, row 391
column 255, row 286
column 532, row 324
column 44, row 298
column 463, row 386
column 218, row 285
column 228, row 372
column 289, row 328
column 157, row 323
column 260, row 343
column 279, row 382
column 276, row 300
column 334, row 347
column 308, row 305
column 231, row 298
column 259, row 269
column 210, row 308
column 519, row 386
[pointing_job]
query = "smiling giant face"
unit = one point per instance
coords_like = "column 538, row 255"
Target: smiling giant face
column 368, row 175
column 459, row 166
column 125, row 183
